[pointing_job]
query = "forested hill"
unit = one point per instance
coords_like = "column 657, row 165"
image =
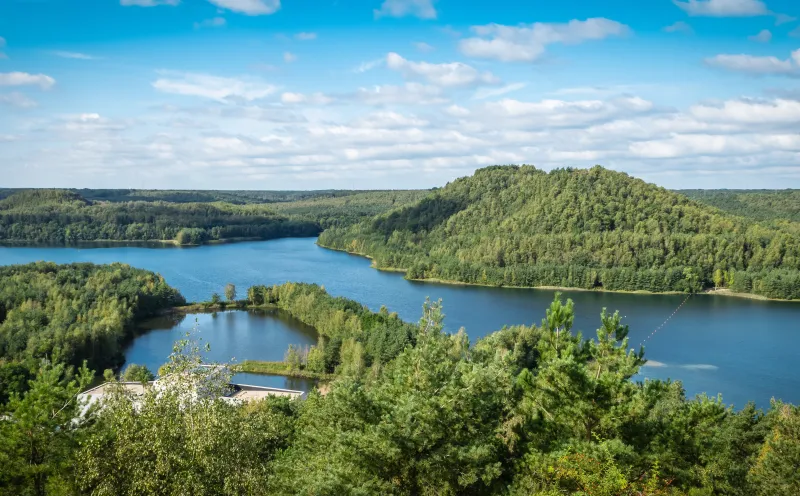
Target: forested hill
column 595, row 228
column 63, row 216
column 757, row 204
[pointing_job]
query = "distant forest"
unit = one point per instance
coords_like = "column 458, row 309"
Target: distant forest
column 64, row 217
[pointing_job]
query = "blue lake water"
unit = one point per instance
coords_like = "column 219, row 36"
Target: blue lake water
column 741, row 348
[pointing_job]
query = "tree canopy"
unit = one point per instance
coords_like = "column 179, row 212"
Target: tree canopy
column 594, row 228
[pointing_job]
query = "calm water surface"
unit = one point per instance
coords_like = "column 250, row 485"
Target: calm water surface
column 744, row 349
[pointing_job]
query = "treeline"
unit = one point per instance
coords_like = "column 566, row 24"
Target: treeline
column 526, row 410
column 75, row 312
column 763, row 205
column 64, row 217
column 52, row 216
column 576, row 228
column 352, row 337
column 339, row 211
column 236, row 197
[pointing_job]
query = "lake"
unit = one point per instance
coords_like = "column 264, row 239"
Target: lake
column 741, row 348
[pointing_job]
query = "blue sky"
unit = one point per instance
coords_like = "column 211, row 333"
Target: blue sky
column 269, row 94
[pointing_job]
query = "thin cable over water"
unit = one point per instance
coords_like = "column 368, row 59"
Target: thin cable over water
column 665, row 322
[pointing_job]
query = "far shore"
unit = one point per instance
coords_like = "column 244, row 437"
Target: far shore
column 709, row 291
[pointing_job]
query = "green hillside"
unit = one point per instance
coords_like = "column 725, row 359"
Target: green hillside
column 757, row 204
column 593, row 229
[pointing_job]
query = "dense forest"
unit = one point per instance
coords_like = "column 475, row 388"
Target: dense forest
column 351, row 336
column 74, row 313
column 593, row 229
column 236, row 197
column 525, row 410
column 757, row 204
column 63, row 217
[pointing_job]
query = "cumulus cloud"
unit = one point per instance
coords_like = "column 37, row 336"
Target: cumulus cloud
column 527, row 42
column 453, row 74
column 679, row 27
column 214, row 87
column 215, row 22
column 401, row 8
column 148, row 3
column 305, row 36
column 17, row 100
column 750, row 112
column 723, row 8
column 249, row 7
column 764, row 36
column 758, row 65
column 24, row 79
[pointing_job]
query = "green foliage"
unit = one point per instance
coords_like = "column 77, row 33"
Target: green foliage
column 777, row 468
column 76, row 312
column 188, row 218
column 39, row 433
column 173, row 440
column 592, row 229
column 230, row 292
column 762, row 205
column 525, row 410
column 351, row 334
column 137, row 373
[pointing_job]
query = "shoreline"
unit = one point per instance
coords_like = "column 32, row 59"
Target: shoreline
column 714, row 292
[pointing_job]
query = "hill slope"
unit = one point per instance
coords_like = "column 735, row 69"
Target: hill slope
column 594, row 228
column 758, row 204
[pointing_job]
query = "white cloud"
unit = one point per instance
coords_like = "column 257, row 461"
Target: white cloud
column 795, row 33
column 750, row 112
column 457, row 111
column 249, row 7
column 369, row 65
column 72, row 55
column 311, row 99
column 148, row 3
column 679, row 27
column 723, row 8
column 547, row 113
column 783, row 19
column 526, row 43
column 484, row 93
column 289, row 57
column 756, row 65
column 214, row 87
column 2, row 42
column 24, row 79
column 305, row 36
column 423, row 47
column 453, row 74
column 400, row 8
column 214, row 22
column 408, row 94
column 764, row 36
column 17, row 100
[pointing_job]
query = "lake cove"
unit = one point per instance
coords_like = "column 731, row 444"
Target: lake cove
column 741, row 348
